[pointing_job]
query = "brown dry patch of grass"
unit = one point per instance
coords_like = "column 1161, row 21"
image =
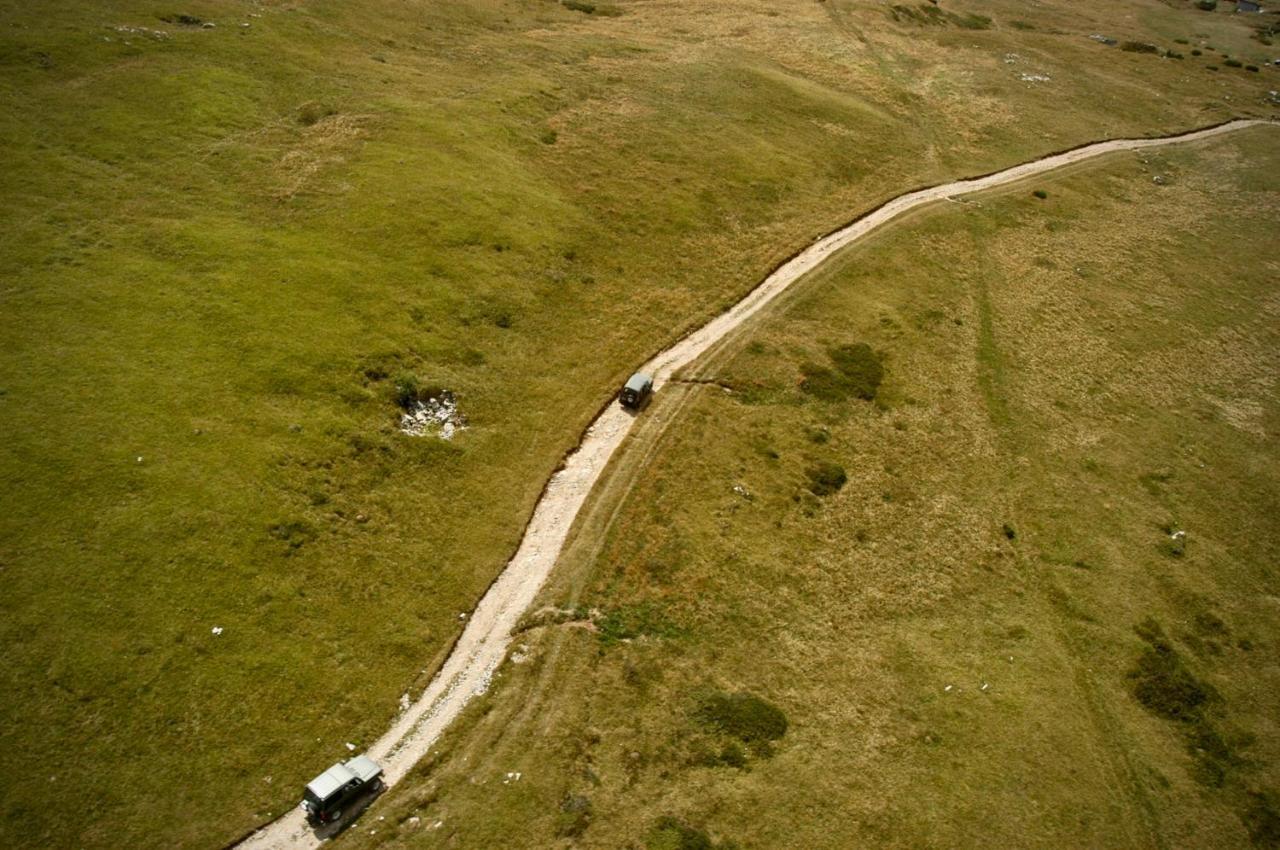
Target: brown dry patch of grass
column 327, row 143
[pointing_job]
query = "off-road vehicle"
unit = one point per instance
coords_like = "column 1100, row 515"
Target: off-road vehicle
column 636, row 390
column 331, row 791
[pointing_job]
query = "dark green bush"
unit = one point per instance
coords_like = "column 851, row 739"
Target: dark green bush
column 577, row 6
column 633, row 621
column 1233, row 63
column 1139, row 47
column 744, row 716
column 857, row 374
column 310, row 113
column 1197, row 53
column 1162, row 683
column 826, row 478
column 1207, row 5
column 671, row 834
column 1262, row 819
column 1253, row 68
column 575, row 815
column 1041, row 194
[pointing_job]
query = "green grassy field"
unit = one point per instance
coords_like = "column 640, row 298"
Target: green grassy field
column 224, row 246
column 991, row 633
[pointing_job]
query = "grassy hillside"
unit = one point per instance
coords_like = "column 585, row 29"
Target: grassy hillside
column 1021, row 596
column 225, row 247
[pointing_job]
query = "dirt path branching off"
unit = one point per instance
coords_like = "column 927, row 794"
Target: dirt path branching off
column 484, row 642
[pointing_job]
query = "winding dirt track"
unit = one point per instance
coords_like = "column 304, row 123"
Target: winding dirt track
column 485, row 640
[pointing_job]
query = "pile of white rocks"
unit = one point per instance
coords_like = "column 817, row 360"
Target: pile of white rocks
column 438, row 416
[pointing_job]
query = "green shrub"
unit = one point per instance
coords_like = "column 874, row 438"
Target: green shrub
column 1180, row 41
column 1211, row 67
column 971, row 22
column 744, row 716
column 549, row 137
column 311, row 112
column 1233, row 63
column 857, row 373
column 1207, row 5
column 633, row 621
column 575, row 815
column 1139, row 47
column 826, row 478
column 1041, row 194
column 1162, row 683
column 1197, row 53
column 407, row 391
column 671, row 834
column 1253, row 68
column 1262, row 819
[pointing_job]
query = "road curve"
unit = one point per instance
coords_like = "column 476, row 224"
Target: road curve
column 484, row 641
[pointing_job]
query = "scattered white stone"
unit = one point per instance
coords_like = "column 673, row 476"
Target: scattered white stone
column 139, row 458
column 437, row 824
column 984, row 687
column 351, row 747
column 217, row 630
column 404, row 702
column 513, row 776
column 414, row 821
column 1010, row 58
column 437, row 415
column 158, row 35
column 462, row 616
column 1034, row 78
column 947, row 689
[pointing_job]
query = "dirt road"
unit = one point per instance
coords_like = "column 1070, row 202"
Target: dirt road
column 485, row 640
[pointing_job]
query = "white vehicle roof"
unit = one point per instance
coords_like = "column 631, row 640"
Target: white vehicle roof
column 326, row 784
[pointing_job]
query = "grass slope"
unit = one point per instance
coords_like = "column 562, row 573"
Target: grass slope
column 992, row 633
column 222, row 247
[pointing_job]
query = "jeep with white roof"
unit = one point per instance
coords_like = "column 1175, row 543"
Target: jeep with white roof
column 331, row 791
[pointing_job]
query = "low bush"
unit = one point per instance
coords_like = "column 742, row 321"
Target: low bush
column 1207, row 5
column 633, row 621
column 1253, row 68
column 671, row 834
column 1197, row 53
column 1161, row 681
column 1041, row 194
column 310, row 113
column 1139, row 47
column 826, row 478
column 744, row 716
column 575, row 815
column 858, row 373
column 1233, row 63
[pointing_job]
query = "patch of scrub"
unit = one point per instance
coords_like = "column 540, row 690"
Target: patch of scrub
column 437, row 415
